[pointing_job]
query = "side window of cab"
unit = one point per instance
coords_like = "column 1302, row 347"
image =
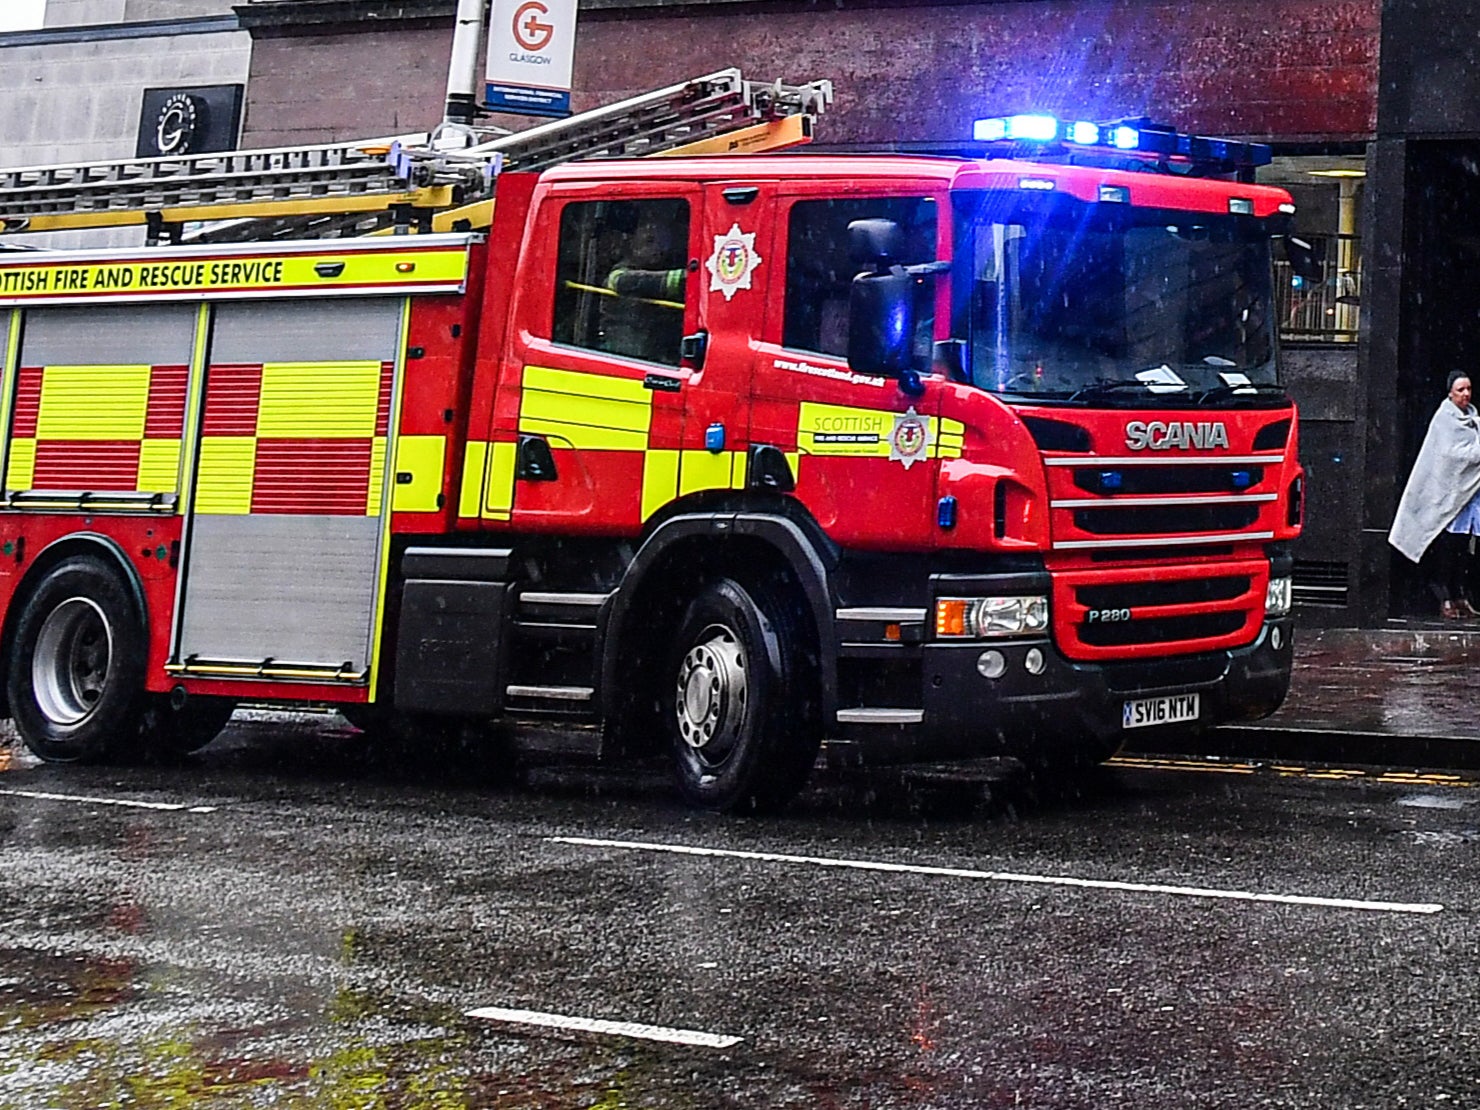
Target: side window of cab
column 819, row 270
column 621, row 277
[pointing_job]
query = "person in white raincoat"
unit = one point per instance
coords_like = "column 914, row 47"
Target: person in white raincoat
column 1441, row 501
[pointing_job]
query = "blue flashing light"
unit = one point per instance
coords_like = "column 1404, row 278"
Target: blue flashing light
column 714, row 438
column 1242, row 479
column 1022, row 128
column 1137, row 134
column 1110, row 479
column 945, row 512
column 1084, row 134
column 992, row 130
column 1037, row 129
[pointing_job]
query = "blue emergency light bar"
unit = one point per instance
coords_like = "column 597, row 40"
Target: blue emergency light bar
column 1049, row 135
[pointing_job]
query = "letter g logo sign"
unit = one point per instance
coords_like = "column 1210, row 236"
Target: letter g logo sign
column 531, row 31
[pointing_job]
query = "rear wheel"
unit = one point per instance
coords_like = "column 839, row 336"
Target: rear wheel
column 740, row 703
column 76, row 675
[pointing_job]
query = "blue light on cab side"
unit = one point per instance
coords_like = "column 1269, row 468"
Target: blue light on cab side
column 945, row 512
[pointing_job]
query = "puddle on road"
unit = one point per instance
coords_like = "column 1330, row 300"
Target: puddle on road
column 1433, row 801
column 88, row 1031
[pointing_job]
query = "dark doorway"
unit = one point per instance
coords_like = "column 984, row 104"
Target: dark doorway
column 1440, row 329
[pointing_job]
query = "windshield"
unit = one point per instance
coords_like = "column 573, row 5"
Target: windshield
column 1074, row 301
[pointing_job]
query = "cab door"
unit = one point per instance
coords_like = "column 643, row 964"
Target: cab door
column 735, row 272
column 595, row 387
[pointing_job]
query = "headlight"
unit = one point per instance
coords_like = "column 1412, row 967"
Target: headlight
column 975, row 617
column 1277, row 597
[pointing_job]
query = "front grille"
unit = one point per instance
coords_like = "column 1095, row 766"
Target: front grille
column 1161, row 519
column 1176, row 591
column 1158, row 630
column 1167, row 479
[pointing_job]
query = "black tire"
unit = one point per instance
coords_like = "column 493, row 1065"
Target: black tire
column 740, row 702
column 171, row 732
column 76, row 675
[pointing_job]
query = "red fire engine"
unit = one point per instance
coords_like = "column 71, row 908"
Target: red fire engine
column 733, row 455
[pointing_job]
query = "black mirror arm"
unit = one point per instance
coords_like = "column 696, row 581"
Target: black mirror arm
column 928, row 269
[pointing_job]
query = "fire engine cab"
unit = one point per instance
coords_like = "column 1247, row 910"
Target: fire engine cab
column 739, row 457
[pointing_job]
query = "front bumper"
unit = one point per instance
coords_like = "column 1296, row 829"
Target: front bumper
column 1070, row 705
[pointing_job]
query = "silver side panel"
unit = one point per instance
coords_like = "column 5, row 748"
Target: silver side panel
column 299, row 589
column 306, row 331
column 109, row 335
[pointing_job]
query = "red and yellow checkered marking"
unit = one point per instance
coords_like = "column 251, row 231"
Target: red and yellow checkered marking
column 296, row 437
column 98, row 428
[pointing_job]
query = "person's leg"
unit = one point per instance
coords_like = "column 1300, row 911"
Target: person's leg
column 1464, row 575
column 1439, row 564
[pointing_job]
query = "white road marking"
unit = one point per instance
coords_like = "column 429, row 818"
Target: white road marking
column 169, row 806
column 611, row 1028
column 1010, row 876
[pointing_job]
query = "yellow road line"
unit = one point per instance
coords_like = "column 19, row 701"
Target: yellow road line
column 1288, row 770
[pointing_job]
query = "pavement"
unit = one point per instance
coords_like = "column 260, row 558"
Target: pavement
column 1407, row 695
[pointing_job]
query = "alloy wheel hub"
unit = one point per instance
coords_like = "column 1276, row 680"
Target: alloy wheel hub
column 713, row 693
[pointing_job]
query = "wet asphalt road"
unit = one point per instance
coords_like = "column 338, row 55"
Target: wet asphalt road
column 309, row 926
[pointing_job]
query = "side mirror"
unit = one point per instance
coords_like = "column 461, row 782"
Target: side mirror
column 875, row 243
column 881, row 322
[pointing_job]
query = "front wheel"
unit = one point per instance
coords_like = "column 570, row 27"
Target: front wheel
column 76, row 676
column 740, row 705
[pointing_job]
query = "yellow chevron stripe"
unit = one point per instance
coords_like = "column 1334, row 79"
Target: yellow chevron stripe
column 580, row 384
column 224, row 477
column 319, row 400
column 585, row 437
column 596, row 412
column 422, row 457
column 499, row 500
column 659, row 480
column 701, row 470
column 470, row 494
column 159, row 465
column 93, row 402
column 21, row 470
column 375, row 491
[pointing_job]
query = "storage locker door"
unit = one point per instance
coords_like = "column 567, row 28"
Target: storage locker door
column 98, row 405
column 284, row 549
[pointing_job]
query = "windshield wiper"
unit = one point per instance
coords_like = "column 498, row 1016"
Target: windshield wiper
column 1104, row 389
column 1251, row 389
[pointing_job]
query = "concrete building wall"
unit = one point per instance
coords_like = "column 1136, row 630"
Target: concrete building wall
column 73, row 90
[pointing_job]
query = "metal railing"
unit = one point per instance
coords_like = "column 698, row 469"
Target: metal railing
column 1320, row 299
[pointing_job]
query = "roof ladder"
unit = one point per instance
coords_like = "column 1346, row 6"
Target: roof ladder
column 352, row 188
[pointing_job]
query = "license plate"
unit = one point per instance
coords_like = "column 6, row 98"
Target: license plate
column 1160, row 711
